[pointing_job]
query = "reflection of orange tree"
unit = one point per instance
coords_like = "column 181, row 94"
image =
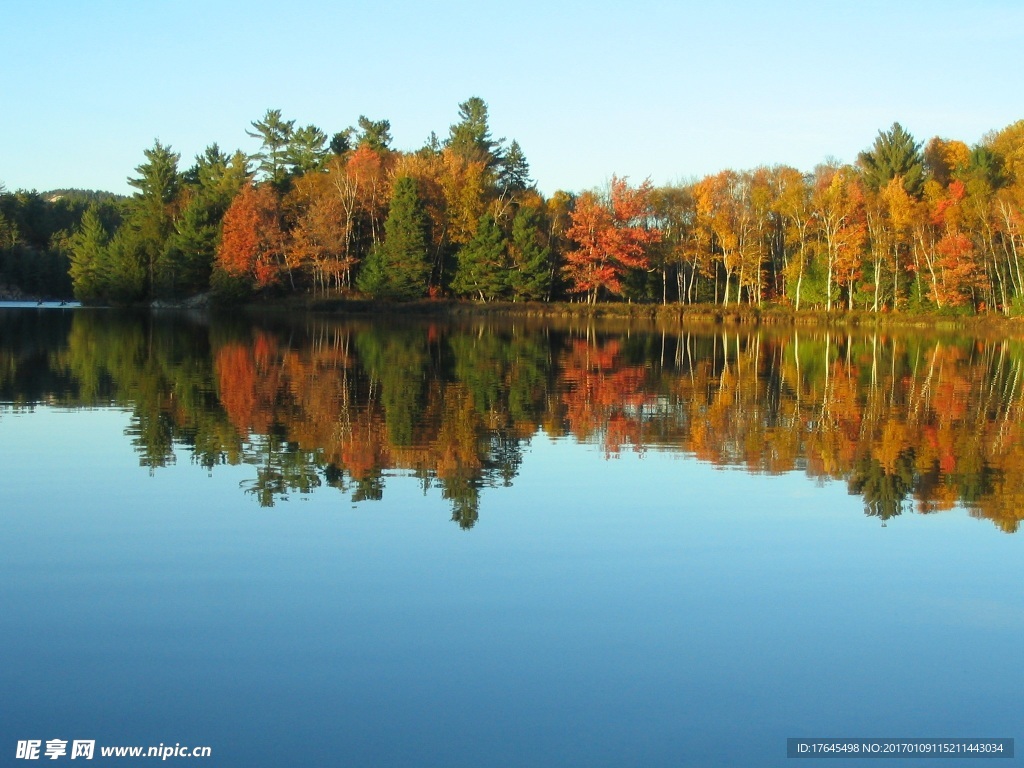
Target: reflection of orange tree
column 353, row 407
column 898, row 419
column 602, row 397
column 249, row 377
column 905, row 422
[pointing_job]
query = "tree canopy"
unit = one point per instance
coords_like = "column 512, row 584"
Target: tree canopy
column 904, row 228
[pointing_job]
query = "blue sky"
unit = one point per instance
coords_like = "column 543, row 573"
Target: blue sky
column 666, row 90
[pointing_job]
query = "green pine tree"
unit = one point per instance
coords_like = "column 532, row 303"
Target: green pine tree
column 471, row 138
column 530, row 278
column 89, row 255
column 212, row 183
column 894, row 153
column 149, row 216
column 274, row 133
column 513, row 170
column 399, row 268
column 306, row 150
column 483, row 263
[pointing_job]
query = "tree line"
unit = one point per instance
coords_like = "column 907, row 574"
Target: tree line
column 908, row 226
column 34, row 230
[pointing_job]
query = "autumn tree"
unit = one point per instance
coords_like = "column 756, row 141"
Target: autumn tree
column 954, row 270
column 683, row 248
column 793, row 204
column 986, row 180
column 317, row 242
column 209, row 187
column 944, row 159
column 337, row 215
column 612, row 237
column 724, row 222
column 837, row 207
column 758, row 249
column 252, row 245
column 467, row 187
column 1008, row 145
column 902, row 210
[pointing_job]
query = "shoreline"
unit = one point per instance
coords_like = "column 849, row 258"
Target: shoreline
column 678, row 314
column 703, row 316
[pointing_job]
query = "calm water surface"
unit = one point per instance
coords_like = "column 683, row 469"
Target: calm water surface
column 343, row 543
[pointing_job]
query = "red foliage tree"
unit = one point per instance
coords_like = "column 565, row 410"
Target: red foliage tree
column 613, row 238
column 253, row 243
column 957, row 272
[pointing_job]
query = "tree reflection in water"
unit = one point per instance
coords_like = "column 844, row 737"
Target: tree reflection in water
column 909, row 421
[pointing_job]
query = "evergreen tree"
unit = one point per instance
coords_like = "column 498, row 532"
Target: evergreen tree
column 150, row 215
column 373, row 277
column 399, row 268
column 306, row 150
column 89, row 257
column 210, row 163
column 483, row 262
column 192, row 248
column 530, row 278
column 431, row 147
column 894, row 153
column 122, row 274
column 513, row 170
column 985, row 166
column 341, row 142
column 275, row 134
column 376, row 134
column 470, row 138
column 8, row 232
column 212, row 184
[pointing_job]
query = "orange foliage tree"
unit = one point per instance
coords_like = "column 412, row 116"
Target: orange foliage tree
column 252, row 243
column 959, row 272
column 612, row 238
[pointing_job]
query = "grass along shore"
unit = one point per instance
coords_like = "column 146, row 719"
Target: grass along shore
column 673, row 314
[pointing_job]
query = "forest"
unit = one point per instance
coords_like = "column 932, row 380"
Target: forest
column 934, row 226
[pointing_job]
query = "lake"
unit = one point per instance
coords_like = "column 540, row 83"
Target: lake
column 503, row 543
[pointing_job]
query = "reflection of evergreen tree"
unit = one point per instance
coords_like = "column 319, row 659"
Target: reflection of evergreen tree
column 281, row 468
column 504, row 458
column 152, row 434
column 369, row 488
column 481, row 363
column 161, row 369
column 531, row 377
column 902, row 420
column 464, row 493
column 28, row 343
column 396, row 362
column 975, row 479
column 884, row 492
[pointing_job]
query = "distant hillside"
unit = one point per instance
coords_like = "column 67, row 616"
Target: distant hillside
column 85, row 195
